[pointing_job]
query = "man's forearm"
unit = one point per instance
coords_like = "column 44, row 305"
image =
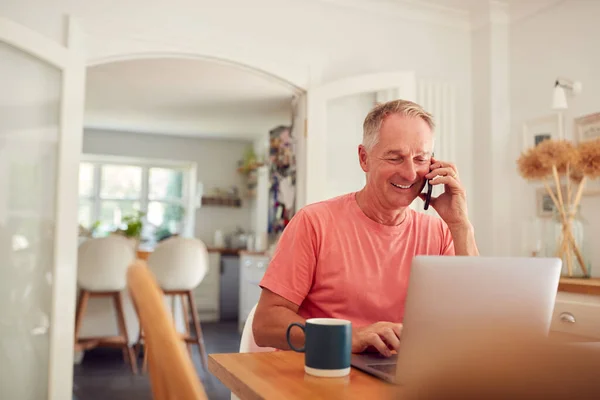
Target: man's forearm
column 463, row 236
column 271, row 326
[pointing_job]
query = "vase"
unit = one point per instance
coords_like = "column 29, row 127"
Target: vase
column 558, row 243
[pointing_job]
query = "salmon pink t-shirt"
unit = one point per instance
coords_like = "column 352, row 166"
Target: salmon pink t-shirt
column 335, row 262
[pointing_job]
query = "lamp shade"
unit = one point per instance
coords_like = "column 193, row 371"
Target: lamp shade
column 559, row 98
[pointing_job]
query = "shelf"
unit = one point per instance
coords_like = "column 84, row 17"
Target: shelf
column 253, row 167
column 581, row 286
column 221, row 201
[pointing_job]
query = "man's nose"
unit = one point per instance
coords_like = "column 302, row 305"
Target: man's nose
column 408, row 171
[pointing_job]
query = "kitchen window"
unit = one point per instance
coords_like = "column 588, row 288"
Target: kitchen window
column 111, row 188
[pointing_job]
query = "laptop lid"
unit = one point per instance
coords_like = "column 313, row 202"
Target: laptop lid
column 452, row 297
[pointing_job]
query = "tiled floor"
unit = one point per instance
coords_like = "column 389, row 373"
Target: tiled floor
column 103, row 375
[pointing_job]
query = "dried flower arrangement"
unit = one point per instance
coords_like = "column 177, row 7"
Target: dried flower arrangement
column 551, row 160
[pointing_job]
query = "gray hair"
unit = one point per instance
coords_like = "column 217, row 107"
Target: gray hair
column 373, row 120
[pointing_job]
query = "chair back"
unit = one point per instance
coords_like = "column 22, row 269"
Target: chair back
column 247, row 343
column 179, row 263
column 102, row 263
column 172, row 372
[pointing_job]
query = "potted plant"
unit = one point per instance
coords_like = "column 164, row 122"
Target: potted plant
column 131, row 227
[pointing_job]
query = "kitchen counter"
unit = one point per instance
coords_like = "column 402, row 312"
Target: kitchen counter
column 143, row 254
column 589, row 286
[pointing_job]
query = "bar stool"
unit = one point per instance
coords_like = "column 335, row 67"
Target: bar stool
column 179, row 265
column 102, row 272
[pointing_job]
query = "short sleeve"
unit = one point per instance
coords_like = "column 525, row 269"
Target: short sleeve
column 292, row 268
column 447, row 241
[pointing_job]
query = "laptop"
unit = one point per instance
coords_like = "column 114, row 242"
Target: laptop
column 460, row 295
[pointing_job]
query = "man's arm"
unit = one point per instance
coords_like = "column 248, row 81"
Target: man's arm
column 463, row 237
column 274, row 314
column 272, row 317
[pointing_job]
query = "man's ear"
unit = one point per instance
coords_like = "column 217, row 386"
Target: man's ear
column 363, row 157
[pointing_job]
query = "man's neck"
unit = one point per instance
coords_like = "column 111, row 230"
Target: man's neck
column 373, row 208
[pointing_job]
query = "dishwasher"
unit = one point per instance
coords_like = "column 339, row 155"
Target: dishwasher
column 229, row 297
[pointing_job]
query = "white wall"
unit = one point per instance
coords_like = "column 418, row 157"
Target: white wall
column 217, row 163
column 560, row 41
column 305, row 42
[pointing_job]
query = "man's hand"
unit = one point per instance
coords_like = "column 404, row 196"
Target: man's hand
column 383, row 336
column 451, row 205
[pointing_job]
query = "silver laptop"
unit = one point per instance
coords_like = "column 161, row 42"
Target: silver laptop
column 450, row 293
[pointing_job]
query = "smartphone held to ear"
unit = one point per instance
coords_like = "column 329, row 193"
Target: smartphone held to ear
column 429, row 189
column 428, row 195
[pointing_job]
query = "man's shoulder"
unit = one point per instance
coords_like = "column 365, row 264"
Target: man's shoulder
column 326, row 208
column 427, row 221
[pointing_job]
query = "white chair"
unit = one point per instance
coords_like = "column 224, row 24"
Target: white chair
column 247, row 343
column 102, row 272
column 179, row 265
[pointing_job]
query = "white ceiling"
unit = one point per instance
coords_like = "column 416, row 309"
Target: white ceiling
column 185, row 97
column 517, row 8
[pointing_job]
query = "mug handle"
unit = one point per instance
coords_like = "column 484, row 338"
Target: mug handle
column 287, row 336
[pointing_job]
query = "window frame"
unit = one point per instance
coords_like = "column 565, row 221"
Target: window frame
column 188, row 199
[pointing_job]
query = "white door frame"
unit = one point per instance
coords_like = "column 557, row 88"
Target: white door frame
column 70, row 60
column 314, row 181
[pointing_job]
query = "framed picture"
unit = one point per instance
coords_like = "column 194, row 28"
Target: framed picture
column 587, row 127
column 537, row 130
column 545, row 206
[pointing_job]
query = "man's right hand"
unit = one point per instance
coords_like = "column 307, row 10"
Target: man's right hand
column 383, row 336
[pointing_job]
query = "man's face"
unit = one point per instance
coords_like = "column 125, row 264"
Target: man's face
column 396, row 166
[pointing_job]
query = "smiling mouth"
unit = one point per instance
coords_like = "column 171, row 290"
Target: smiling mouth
column 401, row 186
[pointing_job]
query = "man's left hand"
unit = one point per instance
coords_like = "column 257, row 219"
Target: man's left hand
column 451, row 205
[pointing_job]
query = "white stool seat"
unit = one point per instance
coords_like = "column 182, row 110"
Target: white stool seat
column 102, row 263
column 179, row 263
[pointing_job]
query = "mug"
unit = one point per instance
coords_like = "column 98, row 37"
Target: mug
column 327, row 346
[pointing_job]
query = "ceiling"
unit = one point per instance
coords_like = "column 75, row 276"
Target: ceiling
column 185, row 97
column 517, row 8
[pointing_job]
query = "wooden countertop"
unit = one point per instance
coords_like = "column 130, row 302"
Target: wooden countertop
column 581, row 286
column 143, row 254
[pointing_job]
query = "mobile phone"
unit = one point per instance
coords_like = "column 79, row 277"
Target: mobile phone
column 428, row 195
column 429, row 190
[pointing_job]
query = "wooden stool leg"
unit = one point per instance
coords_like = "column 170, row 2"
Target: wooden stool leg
column 128, row 351
column 186, row 321
column 199, row 336
column 81, row 307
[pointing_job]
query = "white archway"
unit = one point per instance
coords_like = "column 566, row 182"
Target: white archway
column 296, row 87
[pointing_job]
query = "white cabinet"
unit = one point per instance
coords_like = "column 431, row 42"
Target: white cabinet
column 253, row 268
column 577, row 314
column 206, row 294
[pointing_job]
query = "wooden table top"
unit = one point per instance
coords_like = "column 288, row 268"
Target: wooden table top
column 280, row 375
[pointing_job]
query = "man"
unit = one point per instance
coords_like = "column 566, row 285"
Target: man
column 349, row 257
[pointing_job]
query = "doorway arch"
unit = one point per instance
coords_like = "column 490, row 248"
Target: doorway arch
column 297, row 88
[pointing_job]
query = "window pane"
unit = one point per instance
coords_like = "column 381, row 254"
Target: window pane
column 113, row 212
column 165, row 184
column 166, row 216
column 85, row 213
column 121, row 182
column 86, row 180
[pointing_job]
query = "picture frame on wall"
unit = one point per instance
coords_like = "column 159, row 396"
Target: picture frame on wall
column 587, row 127
column 539, row 129
column 544, row 204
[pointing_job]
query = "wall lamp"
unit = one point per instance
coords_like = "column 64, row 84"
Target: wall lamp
column 559, row 97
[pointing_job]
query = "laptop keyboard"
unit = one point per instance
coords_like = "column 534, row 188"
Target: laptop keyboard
column 387, row 368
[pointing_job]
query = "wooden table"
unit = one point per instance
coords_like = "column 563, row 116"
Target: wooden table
column 280, row 375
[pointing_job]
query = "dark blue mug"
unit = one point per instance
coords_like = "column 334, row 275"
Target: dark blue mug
column 327, row 346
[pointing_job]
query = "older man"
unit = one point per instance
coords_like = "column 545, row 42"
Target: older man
column 349, row 257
